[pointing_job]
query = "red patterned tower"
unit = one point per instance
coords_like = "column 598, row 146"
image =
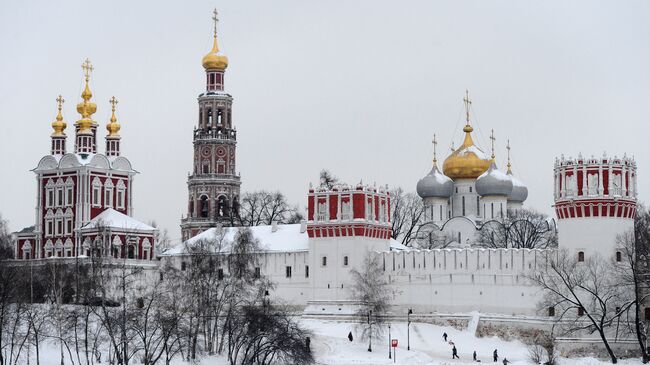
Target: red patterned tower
column 213, row 186
column 595, row 200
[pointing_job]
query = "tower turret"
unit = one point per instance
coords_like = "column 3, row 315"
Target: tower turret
column 595, row 201
column 113, row 136
column 59, row 125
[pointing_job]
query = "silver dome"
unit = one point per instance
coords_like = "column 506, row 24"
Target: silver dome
column 519, row 190
column 435, row 185
column 494, row 182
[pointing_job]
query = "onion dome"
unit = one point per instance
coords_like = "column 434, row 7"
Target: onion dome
column 493, row 182
column 213, row 60
column 113, row 127
column 468, row 161
column 519, row 190
column 86, row 108
column 59, row 125
column 435, row 185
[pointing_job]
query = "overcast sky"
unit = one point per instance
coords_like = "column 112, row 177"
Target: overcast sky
column 358, row 87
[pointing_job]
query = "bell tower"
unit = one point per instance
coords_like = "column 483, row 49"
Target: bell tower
column 213, row 185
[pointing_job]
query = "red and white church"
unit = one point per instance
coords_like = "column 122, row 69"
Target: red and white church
column 84, row 201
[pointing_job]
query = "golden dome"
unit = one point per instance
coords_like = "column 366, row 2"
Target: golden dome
column 113, row 127
column 467, row 161
column 59, row 125
column 213, row 60
column 86, row 108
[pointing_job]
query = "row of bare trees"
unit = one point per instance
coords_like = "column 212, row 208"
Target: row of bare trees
column 213, row 301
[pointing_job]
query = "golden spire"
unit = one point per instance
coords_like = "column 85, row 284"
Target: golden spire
column 59, row 125
column 467, row 161
column 86, row 108
column 435, row 143
column 509, row 164
column 113, row 127
column 468, row 104
column 492, row 139
column 213, row 60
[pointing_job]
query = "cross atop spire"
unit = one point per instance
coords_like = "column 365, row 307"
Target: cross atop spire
column 113, row 102
column 435, row 143
column 215, row 18
column 509, row 164
column 468, row 105
column 60, row 102
column 492, row 139
column 88, row 68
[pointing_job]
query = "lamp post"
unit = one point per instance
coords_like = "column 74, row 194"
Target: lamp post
column 370, row 337
column 408, row 329
column 390, row 340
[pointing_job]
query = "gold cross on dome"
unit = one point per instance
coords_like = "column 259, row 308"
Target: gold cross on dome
column 215, row 17
column 60, row 101
column 492, row 139
column 468, row 104
column 87, row 67
column 435, row 143
column 113, row 102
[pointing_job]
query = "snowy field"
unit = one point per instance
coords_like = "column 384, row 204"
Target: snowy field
column 331, row 346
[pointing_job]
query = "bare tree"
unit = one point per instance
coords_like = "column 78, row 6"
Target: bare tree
column 328, row 179
column 584, row 294
column 521, row 228
column 264, row 208
column 370, row 290
column 407, row 214
column 631, row 266
column 430, row 236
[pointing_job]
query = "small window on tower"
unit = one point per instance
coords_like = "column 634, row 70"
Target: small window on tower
column 306, row 271
column 581, row 256
column 345, row 261
column 324, row 261
column 581, row 312
column 619, row 256
column 288, row 271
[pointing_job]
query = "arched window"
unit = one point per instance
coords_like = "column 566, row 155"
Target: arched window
column 581, row 256
column 205, row 206
column 131, row 252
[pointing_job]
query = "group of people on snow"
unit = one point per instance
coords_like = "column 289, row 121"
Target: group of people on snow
column 454, row 352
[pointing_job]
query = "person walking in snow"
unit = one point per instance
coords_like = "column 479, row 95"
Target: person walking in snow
column 350, row 337
column 474, row 355
column 495, row 355
column 444, row 336
column 454, row 353
column 505, row 361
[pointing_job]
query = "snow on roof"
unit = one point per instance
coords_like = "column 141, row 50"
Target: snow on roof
column 394, row 245
column 112, row 218
column 475, row 150
column 287, row 237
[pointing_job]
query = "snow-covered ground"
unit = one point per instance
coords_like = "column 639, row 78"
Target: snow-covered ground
column 331, row 346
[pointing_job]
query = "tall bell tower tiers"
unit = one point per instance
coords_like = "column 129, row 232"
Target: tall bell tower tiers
column 213, row 185
column 595, row 200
